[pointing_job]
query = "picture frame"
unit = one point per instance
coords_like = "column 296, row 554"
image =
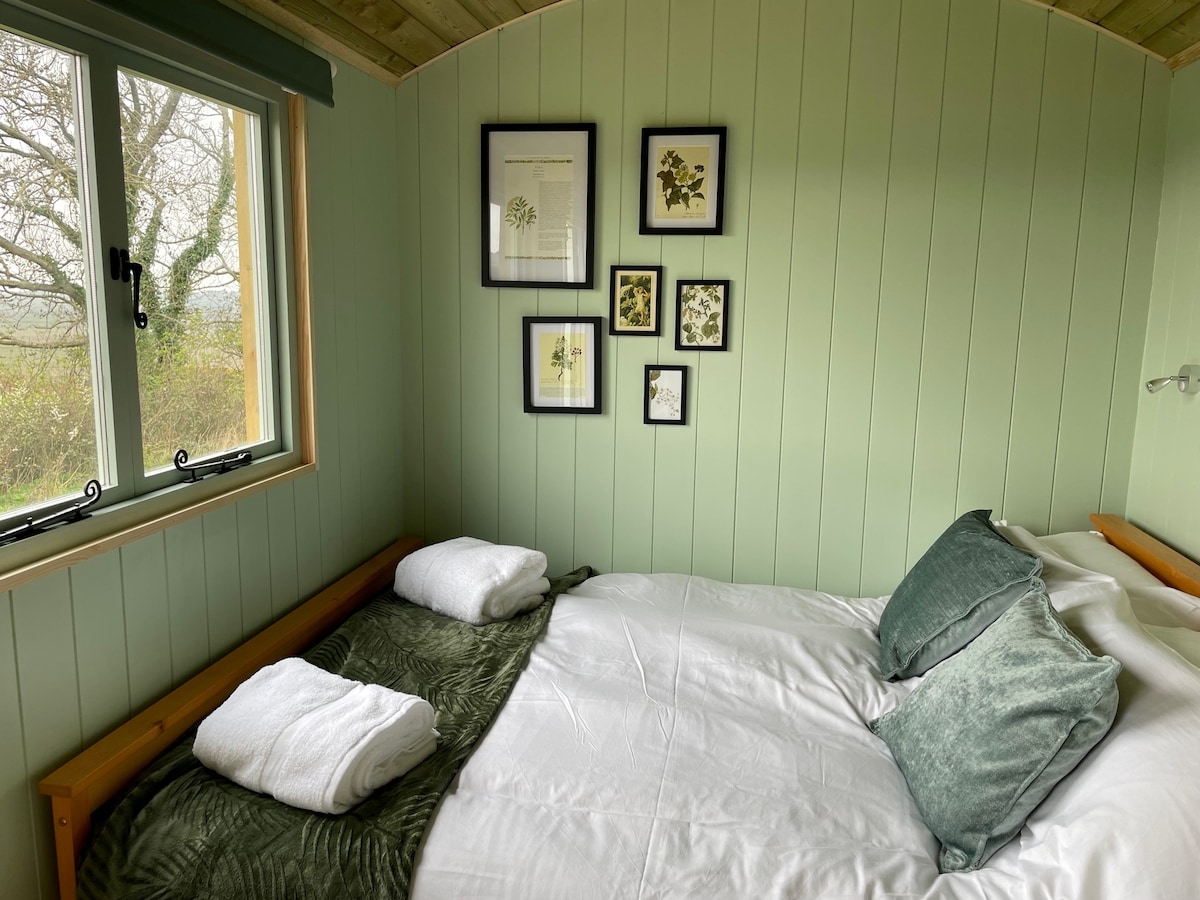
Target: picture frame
column 665, row 395
column 562, row 364
column 635, row 300
column 538, row 205
column 702, row 314
column 683, row 180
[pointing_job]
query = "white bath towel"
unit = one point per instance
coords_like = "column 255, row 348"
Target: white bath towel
column 313, row 739
column 473, row 580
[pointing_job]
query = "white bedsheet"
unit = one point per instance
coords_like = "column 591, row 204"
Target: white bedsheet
column 681, row 737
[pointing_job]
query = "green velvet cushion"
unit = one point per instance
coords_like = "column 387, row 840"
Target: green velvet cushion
column 959, row 587
column 987, row 735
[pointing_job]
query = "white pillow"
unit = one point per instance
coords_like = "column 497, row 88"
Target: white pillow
column 1089, row 550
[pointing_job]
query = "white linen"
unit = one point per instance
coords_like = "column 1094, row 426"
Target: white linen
column 313, row 739
column 680, row 737
column 473, row 580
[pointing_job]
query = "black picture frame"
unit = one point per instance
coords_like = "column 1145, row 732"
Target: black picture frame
column 635, row 300
column 664, row 395
column 702, row 314
column 668, row 202
column 517, row 248
column 579, row 355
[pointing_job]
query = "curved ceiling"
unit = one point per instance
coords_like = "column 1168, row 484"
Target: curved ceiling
column 389, row 39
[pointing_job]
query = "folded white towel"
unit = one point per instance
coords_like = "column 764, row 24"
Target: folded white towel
column 313, row 739
column 473, row 580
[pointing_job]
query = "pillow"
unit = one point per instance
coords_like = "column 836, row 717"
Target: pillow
column 959, row 587
column 1089, row 550
column 985, row 737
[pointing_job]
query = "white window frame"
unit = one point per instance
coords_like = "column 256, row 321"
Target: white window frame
column 142, row 505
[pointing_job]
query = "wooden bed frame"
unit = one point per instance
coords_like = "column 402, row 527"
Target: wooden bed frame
column 80, row 786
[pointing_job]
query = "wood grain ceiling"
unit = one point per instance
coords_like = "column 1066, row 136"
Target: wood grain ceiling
column 1166, row 29
column 390, row 38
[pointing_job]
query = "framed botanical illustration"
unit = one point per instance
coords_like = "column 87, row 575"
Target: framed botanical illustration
column 666, row 395
column 538, row 205
column 702, row 322
column 635, row 300
column 562, row 364
column 683, row 180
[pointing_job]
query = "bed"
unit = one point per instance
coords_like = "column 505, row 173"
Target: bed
column 672, row 736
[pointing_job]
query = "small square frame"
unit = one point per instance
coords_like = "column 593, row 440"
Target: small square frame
column 518, row 249
column 554, row 346
column 702, row 314
column 630, row 313
column 697, row 200
column 665, row 395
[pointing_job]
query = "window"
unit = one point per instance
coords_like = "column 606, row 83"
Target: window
column 143, row 271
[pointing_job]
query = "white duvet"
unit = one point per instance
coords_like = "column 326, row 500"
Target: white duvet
column 674, row 736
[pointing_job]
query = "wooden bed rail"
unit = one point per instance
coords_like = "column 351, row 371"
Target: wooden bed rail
column 81, row 785
column 1167, row 565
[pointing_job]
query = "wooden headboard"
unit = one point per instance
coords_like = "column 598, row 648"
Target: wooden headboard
column 1168, row 566
column 80, row 786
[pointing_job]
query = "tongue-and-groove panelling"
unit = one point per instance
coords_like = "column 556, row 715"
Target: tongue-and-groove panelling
column 84, row 648
column 1164, row 494
column 940, row 221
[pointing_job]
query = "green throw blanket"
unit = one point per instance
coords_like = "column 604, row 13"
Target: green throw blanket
column 183, row 831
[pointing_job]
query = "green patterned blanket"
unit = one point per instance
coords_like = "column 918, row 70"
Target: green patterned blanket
column 183, row 831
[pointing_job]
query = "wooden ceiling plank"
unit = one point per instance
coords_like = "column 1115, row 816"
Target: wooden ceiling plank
column 387, row 23
column 1184, row 58
column 448, row 19
column 1085, row 9
column 1104, row 8
column 310, row 21
column 1137, row 19
column 493, row 12
column 1178, row 36
column 533, row 5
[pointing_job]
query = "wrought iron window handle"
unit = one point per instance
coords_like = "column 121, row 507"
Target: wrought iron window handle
column 121, row 268
column 71, row 513
column 227, row 463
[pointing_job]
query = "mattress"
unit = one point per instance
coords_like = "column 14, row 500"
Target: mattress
column 674, row 736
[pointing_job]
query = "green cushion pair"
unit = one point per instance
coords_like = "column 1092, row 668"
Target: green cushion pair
column 988, row 733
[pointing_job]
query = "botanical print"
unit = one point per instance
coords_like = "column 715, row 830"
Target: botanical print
column 562, row 372
column 666, row 394
column 701, row 311
column 635, row 306
column 681, row 177
column 540, row 209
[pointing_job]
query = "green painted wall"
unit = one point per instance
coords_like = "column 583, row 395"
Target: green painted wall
column 1164, row 491
column 84, row 648
column 940, row 228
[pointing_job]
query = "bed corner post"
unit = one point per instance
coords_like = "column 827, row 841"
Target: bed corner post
column 72, row 823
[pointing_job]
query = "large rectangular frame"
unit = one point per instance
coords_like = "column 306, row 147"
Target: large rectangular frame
column 538, row 205
column 570, row 344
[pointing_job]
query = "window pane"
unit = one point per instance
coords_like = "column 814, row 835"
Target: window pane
column 47, row 413
column 190, row 185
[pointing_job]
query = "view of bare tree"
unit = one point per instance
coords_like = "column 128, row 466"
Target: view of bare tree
column 181, row 210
